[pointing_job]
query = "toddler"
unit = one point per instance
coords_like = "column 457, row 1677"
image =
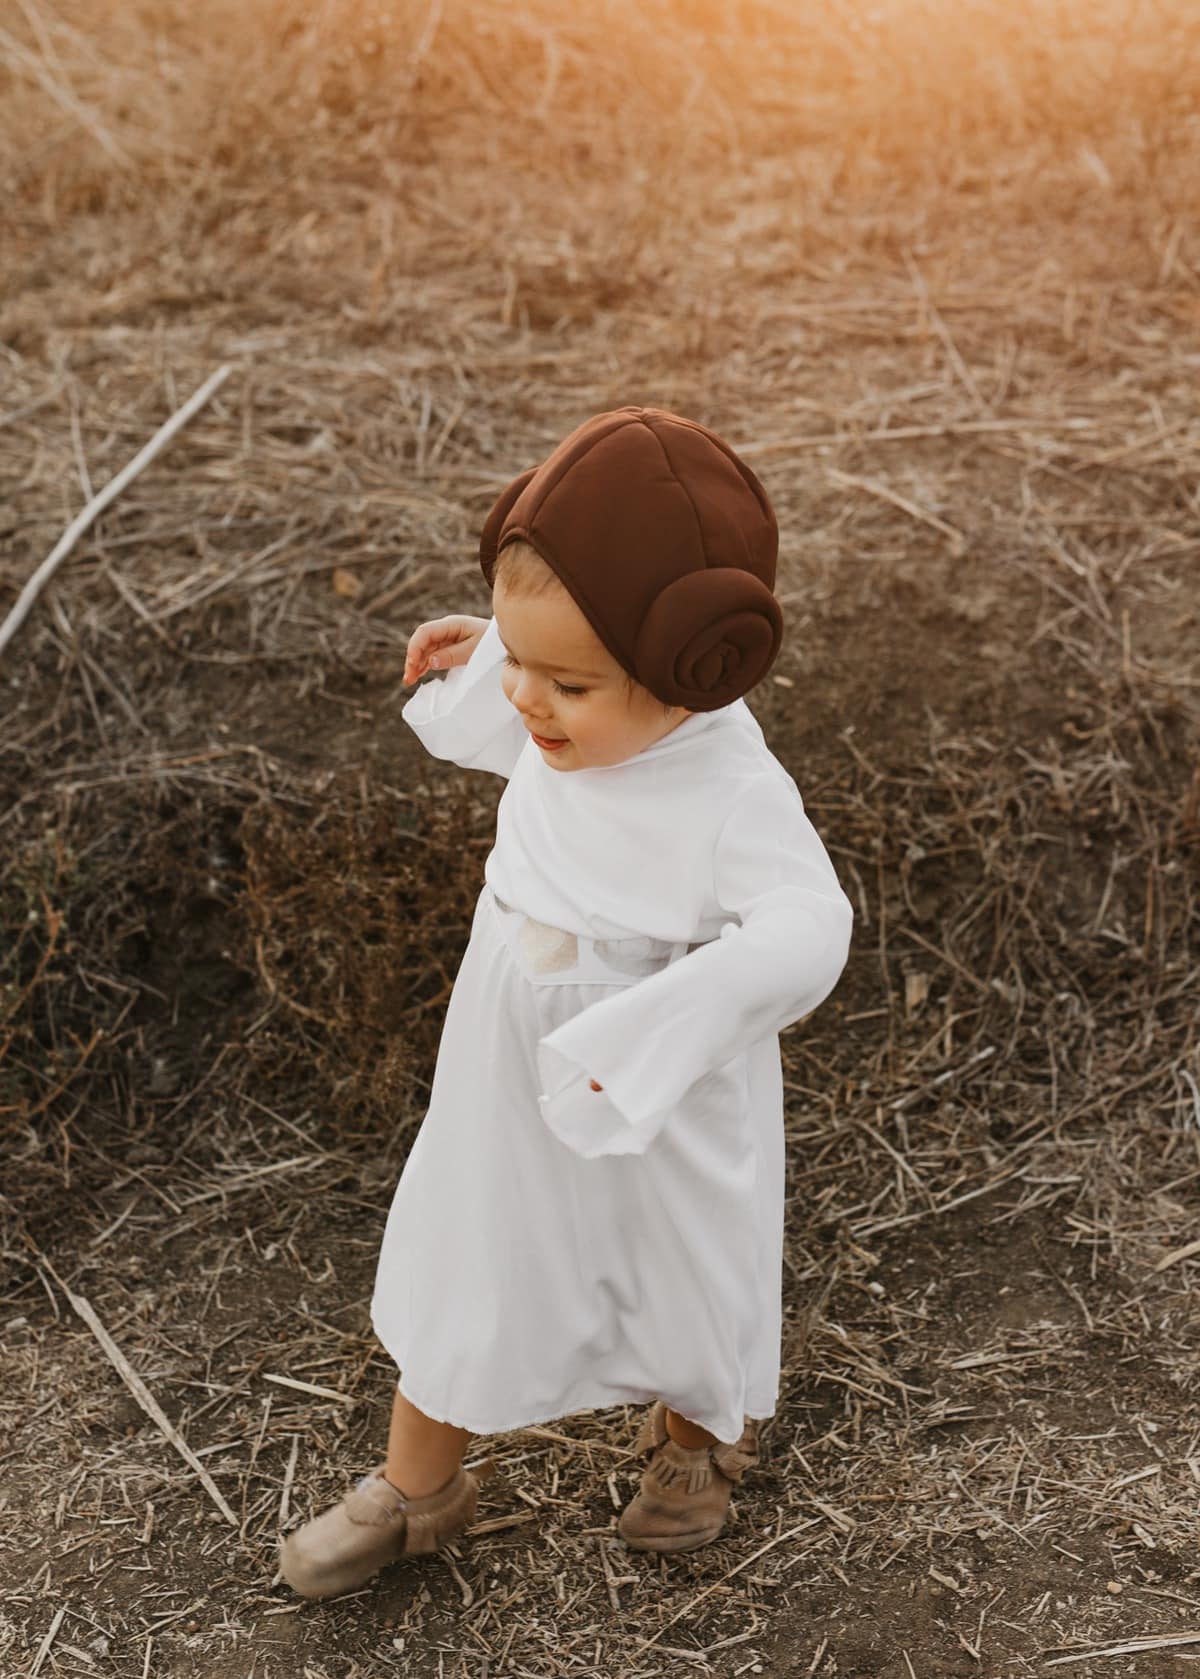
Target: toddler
column 592, row 1212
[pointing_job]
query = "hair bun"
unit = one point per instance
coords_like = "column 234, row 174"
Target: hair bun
column 708, row 637
column 667, row 543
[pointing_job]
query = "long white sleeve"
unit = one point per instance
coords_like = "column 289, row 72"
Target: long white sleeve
column 648, row 1043
column 465, row 715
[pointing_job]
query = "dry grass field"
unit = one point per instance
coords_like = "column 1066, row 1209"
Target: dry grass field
column 934, row 267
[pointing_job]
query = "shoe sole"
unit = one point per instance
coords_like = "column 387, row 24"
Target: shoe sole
column 676, row 1542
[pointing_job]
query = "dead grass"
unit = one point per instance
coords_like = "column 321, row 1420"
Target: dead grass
column 113, row 100
column 946, row 300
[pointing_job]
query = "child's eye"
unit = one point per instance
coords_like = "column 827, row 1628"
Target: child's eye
column 509, row 660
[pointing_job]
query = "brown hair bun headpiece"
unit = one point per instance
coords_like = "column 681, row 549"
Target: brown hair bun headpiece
column 667, row 543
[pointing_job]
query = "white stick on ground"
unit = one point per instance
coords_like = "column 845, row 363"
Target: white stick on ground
column 288, row 1476
column 1189, row 1251
column 1132, row 1646
column 142, row 1394
column 311, row 1387
column 98, row 503
column 47, row 1641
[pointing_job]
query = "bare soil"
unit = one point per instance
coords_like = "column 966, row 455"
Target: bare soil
column 234, row 892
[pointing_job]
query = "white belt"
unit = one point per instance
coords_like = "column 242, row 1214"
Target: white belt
column 552, row 955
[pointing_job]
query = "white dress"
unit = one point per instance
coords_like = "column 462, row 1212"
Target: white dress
column 652, row 925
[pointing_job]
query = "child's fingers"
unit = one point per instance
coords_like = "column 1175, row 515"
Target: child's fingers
column 436, row 646
column 425, row 640
column 455, row 654
column 441, row 643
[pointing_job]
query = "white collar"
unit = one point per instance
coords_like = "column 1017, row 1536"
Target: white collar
column 680, row 736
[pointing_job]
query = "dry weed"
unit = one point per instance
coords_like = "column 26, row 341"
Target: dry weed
column 942, row 290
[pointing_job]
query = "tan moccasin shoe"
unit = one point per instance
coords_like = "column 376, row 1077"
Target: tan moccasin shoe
column 373, row 1525
column 684, row 1496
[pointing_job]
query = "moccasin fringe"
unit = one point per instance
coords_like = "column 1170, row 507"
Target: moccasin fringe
column 653, row 1432
column 733, row 1461
column 421, row 1535
column 674, row 1465
column 430, row 1522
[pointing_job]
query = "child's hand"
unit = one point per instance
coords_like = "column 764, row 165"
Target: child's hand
column 440, row 643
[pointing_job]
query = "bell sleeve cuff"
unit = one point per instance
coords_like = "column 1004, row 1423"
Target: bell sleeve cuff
column 465, row 715
column 647, row 1044
column 586, row 1120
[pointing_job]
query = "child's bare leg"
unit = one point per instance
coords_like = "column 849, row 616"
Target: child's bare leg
column 422, row 1454
column 688, row 1434
column 422, row 1500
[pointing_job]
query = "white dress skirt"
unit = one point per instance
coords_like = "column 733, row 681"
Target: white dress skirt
column 519, row 1281
column 651, row 927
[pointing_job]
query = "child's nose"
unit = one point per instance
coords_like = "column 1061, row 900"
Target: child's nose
column 527, row 696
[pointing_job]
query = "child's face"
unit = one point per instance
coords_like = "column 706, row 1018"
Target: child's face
column 568, row 687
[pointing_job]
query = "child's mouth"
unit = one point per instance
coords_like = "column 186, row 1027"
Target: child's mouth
column 547, row 745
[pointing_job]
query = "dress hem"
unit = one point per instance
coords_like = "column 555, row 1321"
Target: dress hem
column 633, row 1397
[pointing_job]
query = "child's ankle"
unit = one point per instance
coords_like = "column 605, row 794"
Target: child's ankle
column 416, row 1481
column 687, row 1434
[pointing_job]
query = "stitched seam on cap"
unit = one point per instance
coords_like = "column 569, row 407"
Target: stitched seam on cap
column 566, row 466
column 688, row 494
column 745, row 473
column 546, row 550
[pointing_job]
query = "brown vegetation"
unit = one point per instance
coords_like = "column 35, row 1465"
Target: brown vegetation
column 935, row 269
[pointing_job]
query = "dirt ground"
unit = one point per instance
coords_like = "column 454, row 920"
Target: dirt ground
column 233, row 890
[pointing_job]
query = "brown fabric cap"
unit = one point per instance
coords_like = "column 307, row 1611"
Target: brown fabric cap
column 666, row 542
